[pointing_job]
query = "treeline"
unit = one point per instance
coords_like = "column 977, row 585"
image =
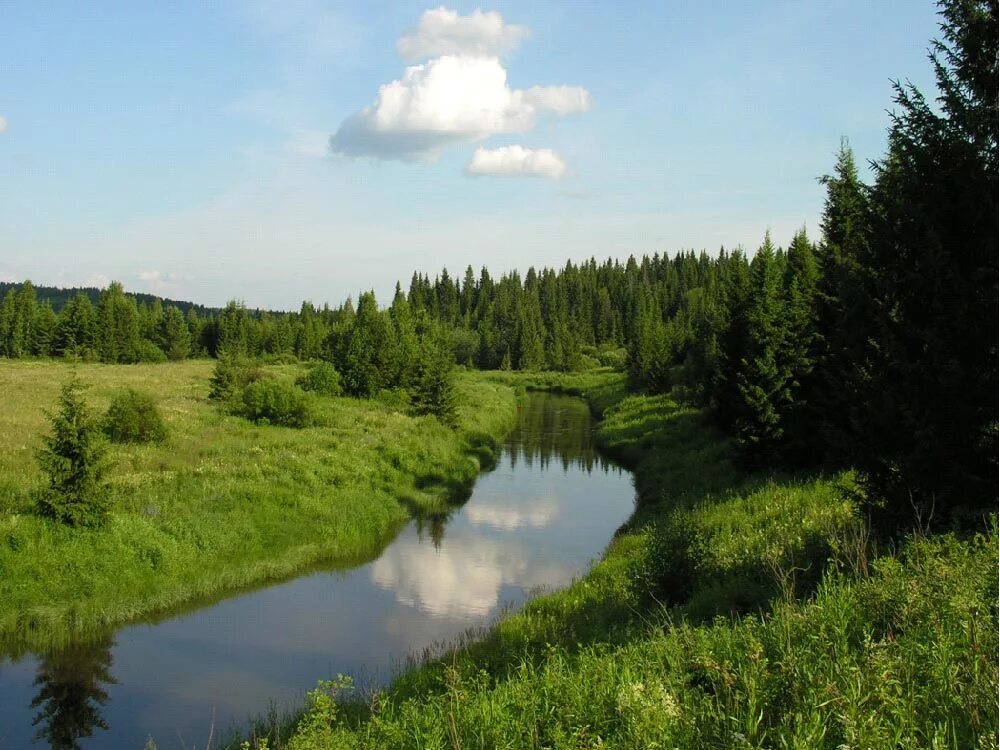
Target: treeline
column 57, row 297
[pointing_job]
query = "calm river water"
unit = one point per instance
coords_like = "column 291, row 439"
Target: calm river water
column 535, row 522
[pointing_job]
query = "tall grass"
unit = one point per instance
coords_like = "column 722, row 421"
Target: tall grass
column 223, row 503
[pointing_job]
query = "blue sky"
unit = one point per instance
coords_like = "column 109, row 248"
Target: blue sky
column 184, row 148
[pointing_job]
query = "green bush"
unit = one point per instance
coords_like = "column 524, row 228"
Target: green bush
column 276, row 402
column 322, row 378
column 150, row 352
column 614, row 358
column 280, row 358
column 73, row 458
column 231, row 375
column 134, row 418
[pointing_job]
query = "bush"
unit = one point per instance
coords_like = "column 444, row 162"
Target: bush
column 322, row 378
column 280, row 358
column 74, row 459
column 231, row 375
column 134, row 418
column 147, row 351
column 276, row 402
column 614, row 358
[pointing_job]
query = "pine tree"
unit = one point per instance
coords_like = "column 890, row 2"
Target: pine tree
column 802, row 350
column 73, row 459
column 844, row 314
column 370, row 360
column 117, row 326
column 434, row 386
column 927, row 432
column 174, row 334
column 762, row 379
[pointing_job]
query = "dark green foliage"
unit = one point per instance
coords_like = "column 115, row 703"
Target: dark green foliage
column 762, row 378
column 276, row 402
column 321, row 378
column 133, row 417
column 842, row 306
column 73, row 460
column 434, row 386
column 370, row 358
column 175, row 334
column 925, row 426
column 149, row 352
column 117, row 326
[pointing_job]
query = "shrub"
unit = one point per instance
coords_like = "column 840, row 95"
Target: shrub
column 134, row 418
column 276, row 402
column 232, row 373
column 147, row 351
column 614, row 358
column 280, row 358
column 322, row 378
column 74, row 459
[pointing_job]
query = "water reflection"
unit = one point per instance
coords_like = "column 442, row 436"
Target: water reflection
column 456, row 580
column 535, row 521
column 510, row 518
column 553, row 427
column 71, row 693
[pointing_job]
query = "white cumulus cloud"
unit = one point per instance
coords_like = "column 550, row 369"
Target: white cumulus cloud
column 3, row 123
column 516, row 161
column 460, row 95
column 445, row 32
column 450, row 99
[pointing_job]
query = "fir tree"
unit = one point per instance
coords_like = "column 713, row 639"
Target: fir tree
column 73, row 459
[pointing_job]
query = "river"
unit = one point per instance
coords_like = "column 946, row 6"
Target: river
column 533, row 523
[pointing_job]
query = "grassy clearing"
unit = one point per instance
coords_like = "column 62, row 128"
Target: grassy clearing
column 223, row 503
column 733, row 611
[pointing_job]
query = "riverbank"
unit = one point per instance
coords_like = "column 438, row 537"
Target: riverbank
column 223, row 503
column 733, row 610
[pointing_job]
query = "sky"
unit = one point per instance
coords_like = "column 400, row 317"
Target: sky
column 276, row 151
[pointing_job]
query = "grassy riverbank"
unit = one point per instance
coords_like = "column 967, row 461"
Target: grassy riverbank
column 223, row 503
column 733, row 610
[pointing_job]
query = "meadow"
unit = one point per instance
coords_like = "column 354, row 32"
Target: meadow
column 223, row 503
column 734, row 610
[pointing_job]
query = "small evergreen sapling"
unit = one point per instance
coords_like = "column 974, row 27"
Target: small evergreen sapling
column 74, row 459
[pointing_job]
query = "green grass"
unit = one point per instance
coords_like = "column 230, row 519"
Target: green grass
column 223, row 503
column 732, row 611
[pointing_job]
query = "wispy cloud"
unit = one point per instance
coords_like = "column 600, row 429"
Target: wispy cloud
column 3, row 124
column 516, row 161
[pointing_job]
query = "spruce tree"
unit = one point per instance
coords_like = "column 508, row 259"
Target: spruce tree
column 175, row 334
column 73, row 458
column 762, row 379
column 927, row 433
column 802, row 350
column 434, row 386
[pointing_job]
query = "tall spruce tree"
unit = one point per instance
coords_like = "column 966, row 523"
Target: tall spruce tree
column 762, row 378
column 927, row 433
column 802, row 350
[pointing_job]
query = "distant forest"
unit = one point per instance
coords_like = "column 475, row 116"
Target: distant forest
column 874, row 347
